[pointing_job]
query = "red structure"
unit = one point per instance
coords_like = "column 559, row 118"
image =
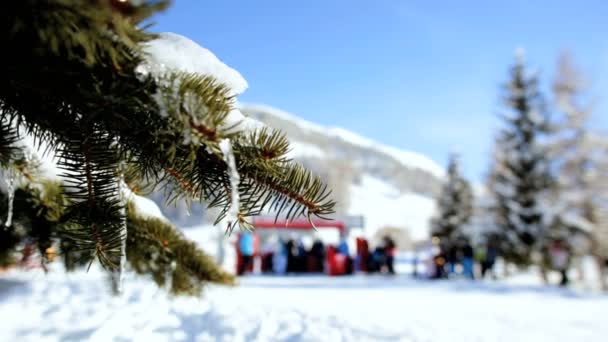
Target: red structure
column 269, row 223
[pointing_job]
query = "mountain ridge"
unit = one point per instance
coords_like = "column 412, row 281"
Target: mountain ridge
column 409, row 158
column 313, row 144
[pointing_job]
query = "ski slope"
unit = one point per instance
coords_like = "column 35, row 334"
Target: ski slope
column 78, row 307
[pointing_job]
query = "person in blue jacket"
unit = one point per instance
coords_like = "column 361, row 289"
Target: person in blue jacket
column 247, row 249
column 343, row 246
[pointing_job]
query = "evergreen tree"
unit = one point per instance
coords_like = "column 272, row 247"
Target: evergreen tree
column 454, row 206
column 87, row 82
column 520, row 176
column 580, row 156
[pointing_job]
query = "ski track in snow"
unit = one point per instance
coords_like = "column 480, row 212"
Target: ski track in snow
column 78, row 306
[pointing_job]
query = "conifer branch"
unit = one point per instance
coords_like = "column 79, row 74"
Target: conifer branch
column 8, row 139
column 156, row 248
column 93, row 218
column 72, row 77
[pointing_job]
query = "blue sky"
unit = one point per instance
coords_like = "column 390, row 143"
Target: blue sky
column 419, row 75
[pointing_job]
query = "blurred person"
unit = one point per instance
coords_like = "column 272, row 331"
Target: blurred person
column 317, row 252
column 560, row 258
column 343, row 246
column 451, row 255
column 279, row 258
column 389, row 253
column 415, row 261
column 429, row 250
column 480, row 257
column 344, row 250
column 291, row 252
column 267, row 254
column 439, row 261
column 489, row 259
column 363, row 255
column 301, row 256
column 377, row 260
column 467, row 260
column 246, row 248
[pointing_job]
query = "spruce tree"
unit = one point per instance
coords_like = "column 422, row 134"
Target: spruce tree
column 520, row 176
column 77, row 78
column 454, row 206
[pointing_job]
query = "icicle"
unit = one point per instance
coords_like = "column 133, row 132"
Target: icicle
column 233, row 211
column 10, row 188
column 221, row 251
column 118, row 276
column 123, row 257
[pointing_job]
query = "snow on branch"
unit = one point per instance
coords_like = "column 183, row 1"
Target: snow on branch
column 171, row 52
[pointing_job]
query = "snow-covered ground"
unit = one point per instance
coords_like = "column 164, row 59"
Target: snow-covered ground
column 77, row 307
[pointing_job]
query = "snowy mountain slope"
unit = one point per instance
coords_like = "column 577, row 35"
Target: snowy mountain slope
column 340, row 136
column 384, row 206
